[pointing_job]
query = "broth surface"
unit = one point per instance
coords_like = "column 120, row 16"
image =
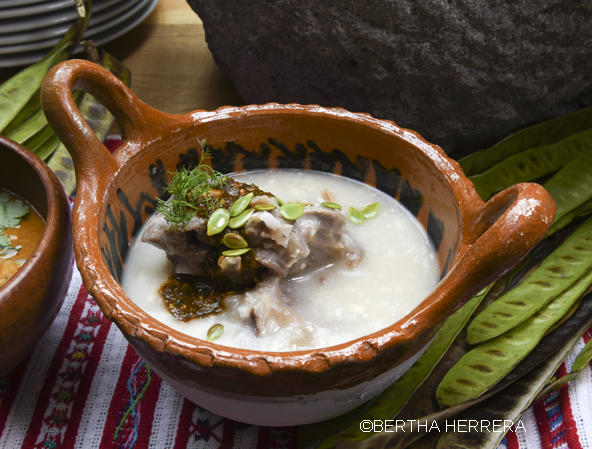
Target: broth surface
column 337, row 304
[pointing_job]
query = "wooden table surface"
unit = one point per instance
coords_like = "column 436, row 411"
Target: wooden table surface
column 172, row 68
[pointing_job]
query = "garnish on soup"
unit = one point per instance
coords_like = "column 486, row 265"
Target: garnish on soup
column 20, row 231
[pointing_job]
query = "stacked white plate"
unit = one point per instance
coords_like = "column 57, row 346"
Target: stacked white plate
column 30, row 28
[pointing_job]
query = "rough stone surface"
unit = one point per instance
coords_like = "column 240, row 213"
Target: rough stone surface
column 463, row 73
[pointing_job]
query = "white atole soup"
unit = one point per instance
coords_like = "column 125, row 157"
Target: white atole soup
column 277, row 261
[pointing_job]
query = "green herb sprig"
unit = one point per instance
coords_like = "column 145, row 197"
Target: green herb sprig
column 190, row 192
column 11, row 213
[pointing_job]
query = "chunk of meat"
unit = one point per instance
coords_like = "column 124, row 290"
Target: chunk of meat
column 318, row 237
column 266, row 308
column 281, row 248
column 186, row 252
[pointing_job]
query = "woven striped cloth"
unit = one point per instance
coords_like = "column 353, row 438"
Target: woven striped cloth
column 85, row 387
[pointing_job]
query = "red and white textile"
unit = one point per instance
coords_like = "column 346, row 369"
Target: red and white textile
column 84, row 387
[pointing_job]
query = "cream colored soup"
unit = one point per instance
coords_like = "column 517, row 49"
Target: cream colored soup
column 337, row 304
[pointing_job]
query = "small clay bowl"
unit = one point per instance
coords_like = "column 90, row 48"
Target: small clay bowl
column 31, row 299
column 475, row 242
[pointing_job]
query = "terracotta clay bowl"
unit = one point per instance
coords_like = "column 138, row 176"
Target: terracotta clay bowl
column 475, row 242
column 31, row 299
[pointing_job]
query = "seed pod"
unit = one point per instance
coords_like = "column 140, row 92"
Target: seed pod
column 531, row 164
column 47, row 148
column 16, row 92
column 558, row 271
column 543, row 134
column 507, row 404
column 482, row 367
column 571, row 186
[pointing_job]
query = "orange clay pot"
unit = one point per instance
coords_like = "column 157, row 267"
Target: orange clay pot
column 475, row 242
column 31, row 299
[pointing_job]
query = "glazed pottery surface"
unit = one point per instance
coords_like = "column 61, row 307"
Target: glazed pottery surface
column 475, row 242
column 32, row 298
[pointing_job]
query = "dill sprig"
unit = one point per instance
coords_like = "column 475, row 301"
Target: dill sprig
column 190, row 193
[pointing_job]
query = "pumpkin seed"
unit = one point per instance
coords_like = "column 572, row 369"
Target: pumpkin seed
column 485, row 365
column 215, row 332
column 388, row 404
column 234, row 241
column 535, row 136
column 292, row 211
column 371, row 210
column 280, row 202
column 556, row 273
column 265, row 207
column 356, row 216
column 241, row 219
column 235, row 252
column 240, row 205
column 218, row 221
column 330, row 205
column 531, row 164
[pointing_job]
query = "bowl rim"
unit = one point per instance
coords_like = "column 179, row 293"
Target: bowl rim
column 138, row 324
column 493, row 237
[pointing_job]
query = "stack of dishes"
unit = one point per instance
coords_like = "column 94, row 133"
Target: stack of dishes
column 30, row 28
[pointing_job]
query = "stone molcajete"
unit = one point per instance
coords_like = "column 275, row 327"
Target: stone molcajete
column 475, row 242
column 463, row 73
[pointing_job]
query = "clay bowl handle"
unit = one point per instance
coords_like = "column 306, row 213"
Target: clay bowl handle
column 92, row 160
column 497, row 236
